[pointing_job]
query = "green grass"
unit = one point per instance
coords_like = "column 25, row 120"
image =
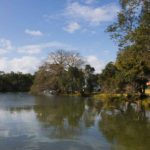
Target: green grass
column 116, row 99
column 147, row 91
column 103, row 96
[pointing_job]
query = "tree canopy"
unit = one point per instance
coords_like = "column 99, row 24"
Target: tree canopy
column 15, row 82
column 132, row 32
column 64, row 72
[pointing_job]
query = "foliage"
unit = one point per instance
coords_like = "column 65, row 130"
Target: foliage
column 108, row 78
column 15, row 82
column 132, row 16
column 63, row 73
column 132, row 32
column 91, row 79
column 134, row 69
column 48, row 77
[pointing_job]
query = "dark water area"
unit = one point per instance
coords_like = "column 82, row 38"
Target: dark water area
column 69, row 123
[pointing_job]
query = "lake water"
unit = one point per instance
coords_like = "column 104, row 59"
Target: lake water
column 68, row 123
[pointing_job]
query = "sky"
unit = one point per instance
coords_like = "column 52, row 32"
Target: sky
column 31, row 29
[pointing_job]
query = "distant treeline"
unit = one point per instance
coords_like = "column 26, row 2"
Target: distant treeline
column 15, row 82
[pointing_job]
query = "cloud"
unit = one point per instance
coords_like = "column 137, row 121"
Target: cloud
column 38, row 48
column 35, row 33
column 25, row 64
column 30, row 49
column 96, row 63
column 92, row 15
column 5, row 46
column 72, row 27
column 28, row 62
column 83, row 13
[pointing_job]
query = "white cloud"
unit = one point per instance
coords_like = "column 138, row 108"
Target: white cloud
column 37, row 48
column 25, row 64
column 92, row 15
column 30, row 64
column 33, row 32
column 72, row 27
column 96, row 63
column 5, row 46
column 30, row 49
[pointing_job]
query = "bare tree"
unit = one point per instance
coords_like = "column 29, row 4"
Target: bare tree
column 65, row 58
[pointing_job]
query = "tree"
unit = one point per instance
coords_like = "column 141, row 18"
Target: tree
column 107, row 78
column 133, row 14
column 65, row 58
column 91, row 80
column 134, row 70
column 76, row 79
column 15, row 82
column 48, row 78
column 60, row 73
column 132, row 32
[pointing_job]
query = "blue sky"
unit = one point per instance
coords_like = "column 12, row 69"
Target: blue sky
column 30, row 29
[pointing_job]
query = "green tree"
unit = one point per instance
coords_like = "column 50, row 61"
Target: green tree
column 48, row 78
column 132, row 32
column 134, row 14
column 76, row 79
column 60, row 73
column 91, row 79
column 134, row 70
column 107, row 78
column 15, row 82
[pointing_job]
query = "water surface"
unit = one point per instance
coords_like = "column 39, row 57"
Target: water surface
column 68, row 123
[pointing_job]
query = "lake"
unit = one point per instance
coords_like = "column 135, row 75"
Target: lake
column 69, row 123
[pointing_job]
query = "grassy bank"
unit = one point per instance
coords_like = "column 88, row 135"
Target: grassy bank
column 147, row 92
column 116, row 99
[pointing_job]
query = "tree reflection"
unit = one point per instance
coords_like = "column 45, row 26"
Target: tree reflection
column 65, row 117
column 125, row 127
column 128, row 130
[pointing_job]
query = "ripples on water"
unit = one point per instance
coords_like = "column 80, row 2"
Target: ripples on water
column 68, row 123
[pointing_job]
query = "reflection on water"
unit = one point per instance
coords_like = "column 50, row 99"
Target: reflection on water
column 68, row 123
column 125, row 130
